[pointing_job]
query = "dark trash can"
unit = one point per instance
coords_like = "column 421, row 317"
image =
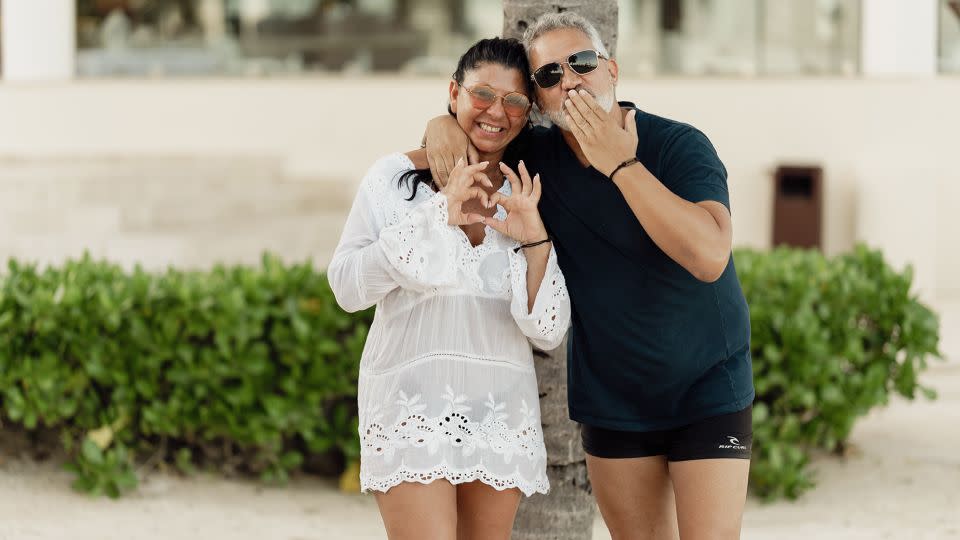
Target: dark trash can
column 797, row 206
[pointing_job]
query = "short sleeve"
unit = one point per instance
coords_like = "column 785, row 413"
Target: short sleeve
column 691, row 168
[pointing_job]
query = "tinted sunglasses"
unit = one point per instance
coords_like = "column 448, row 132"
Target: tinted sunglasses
column 483, row 97
column 583, row 62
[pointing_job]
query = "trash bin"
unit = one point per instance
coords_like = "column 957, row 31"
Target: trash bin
column 797, row 206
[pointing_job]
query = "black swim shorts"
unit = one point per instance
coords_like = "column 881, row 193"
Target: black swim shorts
column 725, row 436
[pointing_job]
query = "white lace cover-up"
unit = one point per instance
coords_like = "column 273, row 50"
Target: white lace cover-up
column 447, row 386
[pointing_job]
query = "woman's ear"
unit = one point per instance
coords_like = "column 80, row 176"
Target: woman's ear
column 454, row 94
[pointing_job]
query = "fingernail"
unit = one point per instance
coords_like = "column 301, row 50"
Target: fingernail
column 583, row 92
column 572, row 92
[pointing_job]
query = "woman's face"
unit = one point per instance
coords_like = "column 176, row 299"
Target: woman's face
column 489, row 127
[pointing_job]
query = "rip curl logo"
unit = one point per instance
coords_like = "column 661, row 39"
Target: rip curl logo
column 733, row 445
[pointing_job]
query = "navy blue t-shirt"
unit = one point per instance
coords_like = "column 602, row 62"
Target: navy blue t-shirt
column 651, row 347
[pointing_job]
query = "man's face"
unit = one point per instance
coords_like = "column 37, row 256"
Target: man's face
column 557, row 46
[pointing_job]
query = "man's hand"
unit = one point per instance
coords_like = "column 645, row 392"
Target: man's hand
column 446, row 143
column 605, row 144
column 462, row 188
column 523, row 222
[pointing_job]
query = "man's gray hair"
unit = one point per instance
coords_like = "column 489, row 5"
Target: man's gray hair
column 559, row 21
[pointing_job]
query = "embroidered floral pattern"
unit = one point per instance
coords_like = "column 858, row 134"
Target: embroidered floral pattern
column 454, row 427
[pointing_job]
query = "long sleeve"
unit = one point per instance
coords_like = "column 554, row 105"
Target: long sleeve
column 547, row 323
column 416, row 253
column 422, row 247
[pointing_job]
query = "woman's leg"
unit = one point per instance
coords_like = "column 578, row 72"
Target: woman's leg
column 483, row 513
column 635, row 497
column 413, row 511
column 711, row 494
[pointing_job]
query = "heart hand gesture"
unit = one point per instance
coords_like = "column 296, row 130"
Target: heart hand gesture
column 461, row 187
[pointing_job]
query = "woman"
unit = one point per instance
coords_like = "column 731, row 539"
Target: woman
column 462, row 278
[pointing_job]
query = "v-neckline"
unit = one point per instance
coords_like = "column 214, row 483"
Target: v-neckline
column 488, row 231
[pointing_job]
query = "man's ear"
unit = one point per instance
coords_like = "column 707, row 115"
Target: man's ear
column 454, row 94
column 613, row 69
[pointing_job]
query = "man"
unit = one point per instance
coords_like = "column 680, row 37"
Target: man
column 659, row 370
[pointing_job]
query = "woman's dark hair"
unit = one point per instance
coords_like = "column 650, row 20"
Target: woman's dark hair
column 506, row 52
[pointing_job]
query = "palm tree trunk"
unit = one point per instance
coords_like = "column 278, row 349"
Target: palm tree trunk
column 519, row 14
column 567, row 513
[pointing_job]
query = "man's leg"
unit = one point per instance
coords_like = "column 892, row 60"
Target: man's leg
column 635, row 497
column 710, row 495
column 709, row 466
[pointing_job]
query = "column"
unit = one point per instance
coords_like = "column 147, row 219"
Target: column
column 39, row 39
column 898, row 38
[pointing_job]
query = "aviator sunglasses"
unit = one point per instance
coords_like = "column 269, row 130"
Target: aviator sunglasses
column 483, row 97
column 583, row 62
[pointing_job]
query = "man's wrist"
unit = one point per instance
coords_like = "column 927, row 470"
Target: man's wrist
column 623, row 165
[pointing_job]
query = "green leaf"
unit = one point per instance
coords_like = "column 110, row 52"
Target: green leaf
column 91, row 452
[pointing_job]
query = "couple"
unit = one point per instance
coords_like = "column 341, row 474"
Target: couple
column 614, row 222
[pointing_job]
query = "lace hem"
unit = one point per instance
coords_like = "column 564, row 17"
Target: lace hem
column 527, row 487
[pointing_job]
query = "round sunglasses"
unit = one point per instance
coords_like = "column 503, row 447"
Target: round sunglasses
column 583, row 62
column 483, row 97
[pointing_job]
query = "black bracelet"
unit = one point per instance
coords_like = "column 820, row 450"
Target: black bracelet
column 531, row 244
column 626, row 163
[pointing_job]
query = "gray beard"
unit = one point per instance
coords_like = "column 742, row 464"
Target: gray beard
column 606, row 102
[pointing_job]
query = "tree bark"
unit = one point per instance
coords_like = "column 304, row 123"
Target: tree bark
column 568, row 511
column 519, row 14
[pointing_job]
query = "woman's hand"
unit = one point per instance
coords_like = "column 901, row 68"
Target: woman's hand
column 604, row 142
column 523, row 222
column 462, row 187
column 446, row 143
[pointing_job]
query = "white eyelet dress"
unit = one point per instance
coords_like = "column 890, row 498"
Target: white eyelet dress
column 447, row 386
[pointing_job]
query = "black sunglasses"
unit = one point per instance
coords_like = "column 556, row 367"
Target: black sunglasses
column 582, row 62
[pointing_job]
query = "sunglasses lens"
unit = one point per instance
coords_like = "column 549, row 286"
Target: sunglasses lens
column 584, row 62
column 548, row 75
column 515, row 104
column 483, row 96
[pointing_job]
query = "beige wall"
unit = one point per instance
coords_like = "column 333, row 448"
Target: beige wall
column 888, row 148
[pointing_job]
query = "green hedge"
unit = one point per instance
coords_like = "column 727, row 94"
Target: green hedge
column 254, row 369
column 237, row 368
column 831, row 339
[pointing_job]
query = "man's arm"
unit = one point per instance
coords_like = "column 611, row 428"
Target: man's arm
column 698, row 236
column 445, row 144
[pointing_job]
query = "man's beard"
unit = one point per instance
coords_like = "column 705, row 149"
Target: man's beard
column 558, row 117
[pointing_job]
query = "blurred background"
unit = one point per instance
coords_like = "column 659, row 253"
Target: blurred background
column 187, row 132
